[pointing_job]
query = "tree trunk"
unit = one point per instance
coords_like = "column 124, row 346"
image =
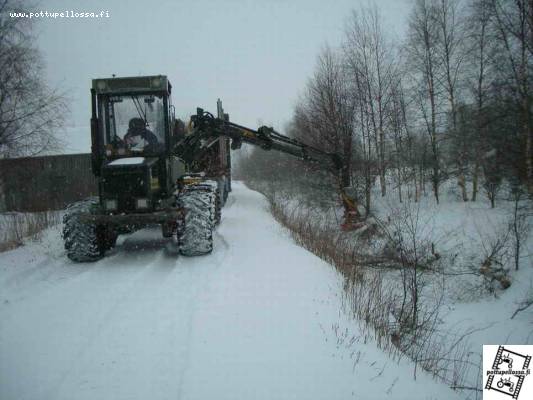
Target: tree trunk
column 475, row 179
column 528, row 133
column 382, row 163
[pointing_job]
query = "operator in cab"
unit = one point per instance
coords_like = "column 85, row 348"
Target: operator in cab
column 139, row 137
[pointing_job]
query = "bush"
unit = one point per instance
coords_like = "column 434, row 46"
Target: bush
column 16, row 227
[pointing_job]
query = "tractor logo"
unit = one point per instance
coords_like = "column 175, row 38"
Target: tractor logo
column 507, row 371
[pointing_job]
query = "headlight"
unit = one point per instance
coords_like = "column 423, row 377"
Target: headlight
column 142, row 203
column 111, row 205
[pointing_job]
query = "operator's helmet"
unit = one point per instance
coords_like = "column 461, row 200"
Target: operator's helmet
column 136, row 124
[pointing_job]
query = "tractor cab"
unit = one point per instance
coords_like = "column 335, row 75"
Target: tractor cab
column 134, row 116
column 132, row 139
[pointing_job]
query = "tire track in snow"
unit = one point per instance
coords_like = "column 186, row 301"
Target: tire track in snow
column 99, row 326
column 93, row 297
column 220, row 253
column 173, row 321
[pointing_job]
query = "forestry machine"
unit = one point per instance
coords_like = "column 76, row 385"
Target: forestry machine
column 151, row 169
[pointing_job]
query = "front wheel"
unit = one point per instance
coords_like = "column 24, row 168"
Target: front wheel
column 84, row 242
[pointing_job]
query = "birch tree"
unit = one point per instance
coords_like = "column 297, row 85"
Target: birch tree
column 423, row 62
column 325, row 115
column 514, row 22
column 370, row 59
column 30, row 113
column 450, row 55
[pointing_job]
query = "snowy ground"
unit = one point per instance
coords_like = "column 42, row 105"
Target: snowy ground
column 257, row 319
column 463, row 235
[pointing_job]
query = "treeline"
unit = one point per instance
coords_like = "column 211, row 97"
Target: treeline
column 449, row 101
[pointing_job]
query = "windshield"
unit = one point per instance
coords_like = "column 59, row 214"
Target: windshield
column 134, row 124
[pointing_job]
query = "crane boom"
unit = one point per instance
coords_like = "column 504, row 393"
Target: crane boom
column 207, row 129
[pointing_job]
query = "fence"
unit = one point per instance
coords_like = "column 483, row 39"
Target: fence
column 45, row 183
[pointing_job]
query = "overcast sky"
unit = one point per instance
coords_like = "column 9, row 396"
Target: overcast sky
column 255, row 55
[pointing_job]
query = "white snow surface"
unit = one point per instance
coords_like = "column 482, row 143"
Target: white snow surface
column 127, row 161
column 463, row 234
column 259, row 318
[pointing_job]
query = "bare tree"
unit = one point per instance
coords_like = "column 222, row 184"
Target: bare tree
column 30, row 113
column 519, row 225
column 404, row 157
column 397, row 125
column 423, row 62
column 480, row 39
column 451, row 54
column 514, row 21
column 365, row 159
column 325, row 114
column 370, row 57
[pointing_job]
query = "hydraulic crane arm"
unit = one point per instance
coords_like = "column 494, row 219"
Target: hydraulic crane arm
column 207, row 127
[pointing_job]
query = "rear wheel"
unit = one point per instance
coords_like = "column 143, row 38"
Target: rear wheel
column 194, row 232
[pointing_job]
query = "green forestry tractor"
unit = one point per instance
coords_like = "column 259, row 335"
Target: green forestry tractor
column 152, row 169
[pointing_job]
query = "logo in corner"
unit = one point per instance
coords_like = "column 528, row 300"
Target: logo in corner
column 507, row 372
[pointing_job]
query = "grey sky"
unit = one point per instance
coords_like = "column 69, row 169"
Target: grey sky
column 255, row 55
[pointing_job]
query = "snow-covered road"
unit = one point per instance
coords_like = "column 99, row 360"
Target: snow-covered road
column 257, row 319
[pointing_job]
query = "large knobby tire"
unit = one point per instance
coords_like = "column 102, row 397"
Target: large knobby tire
column 84, row 242
column 218, row 207
column 194, row 234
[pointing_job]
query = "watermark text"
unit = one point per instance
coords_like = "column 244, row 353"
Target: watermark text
column 60, row 14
